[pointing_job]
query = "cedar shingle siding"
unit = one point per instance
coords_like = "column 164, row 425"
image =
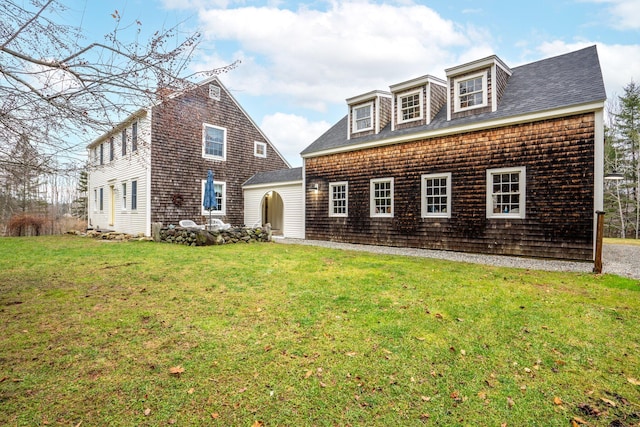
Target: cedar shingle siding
column 177, row 165
column 546, row 118
column 559, row 205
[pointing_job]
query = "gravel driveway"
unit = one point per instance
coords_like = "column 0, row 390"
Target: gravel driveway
column 623, row 260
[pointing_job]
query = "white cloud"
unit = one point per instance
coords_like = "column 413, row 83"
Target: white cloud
column 291, row 134
column 329, row 55
column 624, row 13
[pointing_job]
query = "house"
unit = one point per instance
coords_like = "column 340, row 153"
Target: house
column 152, row 166
column 491, row 159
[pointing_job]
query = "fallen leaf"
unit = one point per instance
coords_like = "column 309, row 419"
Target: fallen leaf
column 424, row 416
column 462, row 352
column 257, row 424
column 633, row 381
column 460, row 320
column 308, row 374
column 578, row 420
column 323, row 385
column 438, row 316
column 242, row 390
column 482, row 395
column 425, row 398
column 267, row 348
column 191, row 390
column 610, row 402
column 503, row 425
column 455, row 395
column 510, row 402
column 351, row 353
column 420, row 338
column 176, row 370
column 147, row 412
column 557, row 400
column 215, row 415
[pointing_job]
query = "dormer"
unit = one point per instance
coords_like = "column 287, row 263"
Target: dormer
column 368, row 113
column 417, row 101
column 476, row 87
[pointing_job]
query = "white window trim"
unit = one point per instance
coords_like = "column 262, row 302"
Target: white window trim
column 456, row 88
column 423, row 186
column 123, row 196
column 204, row 143
column 137, row 181
column 522, row 170
column 214, row 92
column 224, row 199
column 399, row 105
column 354, row 119
column 372, row 205
column 134, row 136
column 256, row 146
column 95, row 200
column 346, row 199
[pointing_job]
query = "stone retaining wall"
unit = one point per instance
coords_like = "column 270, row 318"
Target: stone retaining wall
column 198, row 237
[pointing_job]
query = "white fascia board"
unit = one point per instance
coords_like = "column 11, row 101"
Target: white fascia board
column 474, row 65
column 419, row 81
column 367, row 97
column 471, row 127
column 117, row 128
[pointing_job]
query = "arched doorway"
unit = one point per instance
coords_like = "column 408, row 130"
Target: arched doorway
column 273, row 212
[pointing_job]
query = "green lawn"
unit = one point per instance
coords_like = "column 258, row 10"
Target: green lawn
column 267, row 334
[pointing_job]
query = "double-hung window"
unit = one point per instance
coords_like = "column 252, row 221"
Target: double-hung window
column 101, row 200
column 124, row 195
column 124, row 141
column 220, row 188
column 112, row 154
column 102, row 154
column 471, row 92
column 410, row 107
column 506, row 188
column 214, row 142
column 436, row 195
column 134, row 136
column 381, row 202
column 134, row 195
column 259, row 149
column 362, row 117
column 338, row 198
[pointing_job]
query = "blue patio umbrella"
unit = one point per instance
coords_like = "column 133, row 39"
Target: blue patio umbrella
column 210, row 201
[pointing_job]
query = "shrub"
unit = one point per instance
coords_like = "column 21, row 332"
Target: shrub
column 25, row 225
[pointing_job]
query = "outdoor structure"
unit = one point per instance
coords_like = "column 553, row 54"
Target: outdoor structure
column 276, row 198
column 152, row 167
column 491, row 159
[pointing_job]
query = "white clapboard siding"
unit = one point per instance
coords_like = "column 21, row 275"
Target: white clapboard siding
column 292, row 199
column 134, row 166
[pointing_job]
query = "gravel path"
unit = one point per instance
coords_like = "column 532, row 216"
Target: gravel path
column 623, row 260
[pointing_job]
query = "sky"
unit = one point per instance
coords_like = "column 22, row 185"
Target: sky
column 300, row 61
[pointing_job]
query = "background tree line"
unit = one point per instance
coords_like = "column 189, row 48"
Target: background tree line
column 622, row 159
column 59, row 90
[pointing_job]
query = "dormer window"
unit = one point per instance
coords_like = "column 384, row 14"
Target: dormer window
column 470, row 92
column 362, row 119
column 410, row 106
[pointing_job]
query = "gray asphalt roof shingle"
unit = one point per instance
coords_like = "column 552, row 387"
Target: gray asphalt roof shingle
column 272, row 177
column 567, row 80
